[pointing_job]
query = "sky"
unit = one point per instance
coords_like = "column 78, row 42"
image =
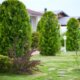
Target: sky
column 71, row 7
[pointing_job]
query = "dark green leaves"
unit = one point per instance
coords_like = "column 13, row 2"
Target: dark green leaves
column 72, row 34
column 48, row 28
column 15, row 29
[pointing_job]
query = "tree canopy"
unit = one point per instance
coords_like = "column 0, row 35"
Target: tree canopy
column 48, row 28
column 73, row 34
column 15, row 28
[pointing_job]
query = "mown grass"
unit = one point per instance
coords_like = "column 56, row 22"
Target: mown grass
column 60, row 67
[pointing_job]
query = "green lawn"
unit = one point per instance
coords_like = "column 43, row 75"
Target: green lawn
column 61, row 67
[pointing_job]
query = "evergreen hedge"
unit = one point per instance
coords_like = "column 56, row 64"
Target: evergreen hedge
column 15, row 28
column 35, row 40
column 49, row 34
column 72, row 35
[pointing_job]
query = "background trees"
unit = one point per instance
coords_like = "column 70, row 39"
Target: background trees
column 73, row 35
column 48, row 28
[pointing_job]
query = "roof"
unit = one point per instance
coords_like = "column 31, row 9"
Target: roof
column 77, row 17
column 34, row 13
column 60, row 12
column 63, row 21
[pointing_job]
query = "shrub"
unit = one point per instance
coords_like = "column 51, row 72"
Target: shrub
column 23, row 64
column 48, row 28
column 62, row 38
column 5, row 64
column 62, row 41
column 35, row 40
column 72, row 34
column 15, row 32
column 18, row 65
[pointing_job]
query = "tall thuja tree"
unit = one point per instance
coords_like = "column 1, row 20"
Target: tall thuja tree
column 15, row 36
column 49, row 34
column 0, row 23
column 73, row 35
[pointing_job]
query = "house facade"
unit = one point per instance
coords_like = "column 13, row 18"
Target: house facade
column 61, row 14
column 34, row 18
column 63, row 18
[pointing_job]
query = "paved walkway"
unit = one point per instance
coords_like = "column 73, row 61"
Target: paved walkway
column 36, row 53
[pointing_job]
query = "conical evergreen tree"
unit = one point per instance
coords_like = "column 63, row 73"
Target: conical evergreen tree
column 72, row 35
column 15, row 30
column 49, row 34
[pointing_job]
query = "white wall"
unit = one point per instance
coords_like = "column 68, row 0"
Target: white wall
column 33, row 22
column 63, row 29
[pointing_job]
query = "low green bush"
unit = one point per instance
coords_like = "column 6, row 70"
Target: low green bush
column 18, row 65
column 23, row 64
column 35, row 40
column 62, row 41
column 5, row 64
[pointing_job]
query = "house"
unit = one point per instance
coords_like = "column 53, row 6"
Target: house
column 63, row 18
column 61, row 14
column 34, row 18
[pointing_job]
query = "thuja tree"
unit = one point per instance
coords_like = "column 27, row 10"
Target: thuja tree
column 49, row 34
column 15, row 32
column 73, row 35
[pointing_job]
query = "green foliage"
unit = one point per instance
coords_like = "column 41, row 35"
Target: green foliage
column 79, row 37
column 62, row 41
column 15, row 31
column 19, row 65
column 22, row 65
column 5, row 64
column 35, row 40
column 15, row 38
column 73, row 35
column 48, row 28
